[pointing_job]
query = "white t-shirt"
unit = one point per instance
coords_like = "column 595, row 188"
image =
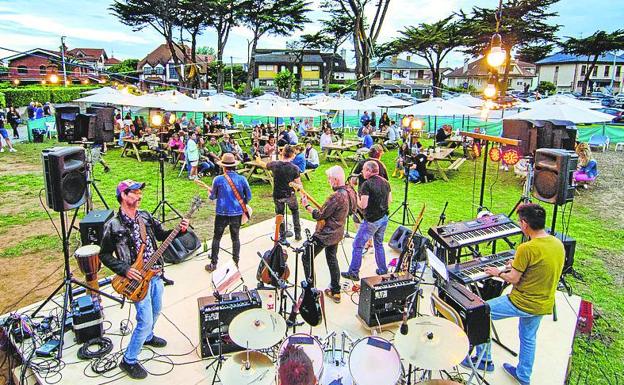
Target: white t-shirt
column 325, row 140
column 313, row 156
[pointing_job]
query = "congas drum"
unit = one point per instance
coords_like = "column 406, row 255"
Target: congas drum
column 88, row 258
column 310, row 346
column 375, row 361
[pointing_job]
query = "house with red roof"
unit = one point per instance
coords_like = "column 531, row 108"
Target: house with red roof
column 522, row 75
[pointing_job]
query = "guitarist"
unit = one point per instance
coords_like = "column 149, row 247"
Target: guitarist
column 334, row 212
column 124, row 235
column 232, row 193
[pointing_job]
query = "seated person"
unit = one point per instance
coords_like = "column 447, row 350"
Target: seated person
column 587, row 169
column 443, row 134
column 393, row 135
column 367, row 139
column 151, row 139
column 302, row 128
column 326, row 138
column 292, row 136
column 238, row 151
column 256, row 133
column 295, row 367
column 226, row 122
column 311, row 157
column 226, row 145
column 299, row 160
column 269, row 147
column 283, row 138
column 213, row 150
column 256, row 150
column 125, row 133
column 384, row 122
column 205, row 164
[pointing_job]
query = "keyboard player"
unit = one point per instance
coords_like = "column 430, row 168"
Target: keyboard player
column 535, row 272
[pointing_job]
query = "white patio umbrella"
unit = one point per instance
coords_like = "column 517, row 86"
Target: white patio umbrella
column 438, row 107
column 387, row 101
column 103, row 90
column 314, row 99
column 118, row 98
column 268, row 98
column 341, row 104
column 560, row 111
column 562, row 100
column 467, row 100
column 276, row 110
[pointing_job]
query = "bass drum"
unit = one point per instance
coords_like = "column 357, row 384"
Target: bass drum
column 375, row 361
column 310, row 346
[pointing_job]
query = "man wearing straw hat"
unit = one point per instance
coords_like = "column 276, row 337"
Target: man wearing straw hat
column 232, row 193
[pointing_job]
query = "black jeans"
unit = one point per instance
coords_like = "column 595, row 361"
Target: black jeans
column 14, row 127
column 332, row 263
column 280, row 208
column 220, row 223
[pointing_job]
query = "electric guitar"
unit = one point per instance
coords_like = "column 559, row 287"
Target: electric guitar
column 299, row 188
column 405, row 259
column 136, row 290
column 245, row 218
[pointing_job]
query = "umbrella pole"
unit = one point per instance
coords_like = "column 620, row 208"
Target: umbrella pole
column 343, row 122
column 604, row 128
column 483, row 173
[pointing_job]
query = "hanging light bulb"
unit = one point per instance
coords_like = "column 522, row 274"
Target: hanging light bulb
column 157, row 120
column 54, row 78
column 172, row 119
column 417, row 125
column 490, row 90
column 405, row 122
column 496, row 56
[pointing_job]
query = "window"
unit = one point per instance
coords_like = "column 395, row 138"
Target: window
column 583, row 70
column 606, row 71
column 159, row 70
column 386, row 75
column 22, row 70
column 173, row 72
column 295, row 70
column 519, row 83
column 556, row 76
column 618, row 71
column 310, row 68
column 42, row 70
column 421, row 74
column 147, row 70
column 595, row 71
column 309, row 83
column 265, row 67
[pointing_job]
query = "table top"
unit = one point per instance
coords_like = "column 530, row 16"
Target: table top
column 257, row 163
column 443, row 153
column 339, row 146
column 378, row 134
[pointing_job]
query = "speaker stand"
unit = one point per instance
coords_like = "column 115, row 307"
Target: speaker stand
column 91, row 179
column 163, row 203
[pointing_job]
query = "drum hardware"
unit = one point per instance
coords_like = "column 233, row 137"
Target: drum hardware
column 163, row 203
column 248, row 367
column 375, row 349
column 282, row 285
column 92, row 155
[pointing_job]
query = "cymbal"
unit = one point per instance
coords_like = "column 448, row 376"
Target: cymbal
column 432, row 343
column 257, row 329
column 255, row 368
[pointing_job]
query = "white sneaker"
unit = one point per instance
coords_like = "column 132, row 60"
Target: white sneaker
column 2, row 149
column 12, row 149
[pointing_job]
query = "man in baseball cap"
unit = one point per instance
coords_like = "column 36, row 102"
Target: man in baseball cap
column 128, row 185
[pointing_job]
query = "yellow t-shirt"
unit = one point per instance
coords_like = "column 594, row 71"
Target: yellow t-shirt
column 540, row 261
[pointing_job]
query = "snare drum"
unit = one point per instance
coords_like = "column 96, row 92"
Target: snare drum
column 310, row 346
column 375, row 361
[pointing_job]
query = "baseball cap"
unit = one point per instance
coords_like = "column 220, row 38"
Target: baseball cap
column 128, row 184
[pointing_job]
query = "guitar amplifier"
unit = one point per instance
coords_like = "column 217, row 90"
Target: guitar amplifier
column 212, row 313
column 383, row 298
column 474, row 312
column 92, row 226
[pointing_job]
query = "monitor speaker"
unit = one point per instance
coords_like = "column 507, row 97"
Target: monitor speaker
column 86, row 126
column 554, row 180
column 105, row 123
column 399, row 238
column 182, row 247
column 65, row 122
column 65, row 175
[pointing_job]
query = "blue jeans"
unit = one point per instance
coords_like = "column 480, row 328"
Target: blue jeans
column 367, row 230
column 501, row 308
column 147, row 313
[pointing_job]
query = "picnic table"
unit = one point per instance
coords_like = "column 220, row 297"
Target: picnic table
column 134, row 146
column 443, row 154
column 335, row 151
column 380, row 137
column 238, row 135
column 257, row 170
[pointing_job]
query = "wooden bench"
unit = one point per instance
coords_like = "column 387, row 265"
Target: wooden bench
column 307, row 173
column 456, row 164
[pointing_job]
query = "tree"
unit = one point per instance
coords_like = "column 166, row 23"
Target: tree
column 284, row 82
column 592, row 47
column 522, row 23
column 297, row 50
column 546, row 88
column 237, row 72
column 205, row 51
column 364, row 35
column 272, row 17
column 534, row 53
column 431, row 42
column 334, row 32
column 124, row 71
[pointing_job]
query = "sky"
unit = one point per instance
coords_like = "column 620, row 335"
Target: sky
column 27, row 24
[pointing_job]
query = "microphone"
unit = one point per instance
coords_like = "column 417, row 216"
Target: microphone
column 403, row 328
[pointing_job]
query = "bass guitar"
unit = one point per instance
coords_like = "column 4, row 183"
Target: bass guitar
column 246, row 213
column 136, row 290
column 299, row 188
column 276, row 258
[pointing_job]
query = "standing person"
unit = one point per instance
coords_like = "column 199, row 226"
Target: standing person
column 124, row 235
column 47, row 109
column 311, row 157
column 374, row 198
column 14, row 120
column 364, row 119
column 30, row 110
column 284, row 172
column 38, row 111
column 334, row 212
column 375, row 153
column 232, row 192
column 5, row 135
column 535, row 272
column 373, row 121
column 192, row 155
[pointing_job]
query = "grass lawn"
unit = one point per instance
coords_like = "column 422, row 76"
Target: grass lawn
column 594, row 220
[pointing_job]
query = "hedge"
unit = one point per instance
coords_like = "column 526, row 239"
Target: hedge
column 19, row 97
column 2, row 100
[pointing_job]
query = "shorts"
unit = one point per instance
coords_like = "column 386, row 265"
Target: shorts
column 194, row 163
column 4, row 133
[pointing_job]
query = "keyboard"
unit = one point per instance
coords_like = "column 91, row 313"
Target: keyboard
column 468, row 233
column 473, row 270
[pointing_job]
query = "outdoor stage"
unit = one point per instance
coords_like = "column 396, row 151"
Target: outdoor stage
column 179, row 319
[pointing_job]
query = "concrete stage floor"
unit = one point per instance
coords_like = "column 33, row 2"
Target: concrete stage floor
column 179, row 320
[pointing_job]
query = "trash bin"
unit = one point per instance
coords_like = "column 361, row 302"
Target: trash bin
column 38, row 136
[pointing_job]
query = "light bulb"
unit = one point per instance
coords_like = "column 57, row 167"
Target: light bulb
column 157, row 120
column 490, row 91
column 405, row 122
column 416, row 125
column 496, row 57
column 172, row 119
column 54, row 78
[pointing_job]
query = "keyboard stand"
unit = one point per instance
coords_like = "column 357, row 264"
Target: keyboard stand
column 496, row 338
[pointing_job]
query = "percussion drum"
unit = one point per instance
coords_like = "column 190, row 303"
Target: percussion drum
column 374, row 361
column 310, row 346
column 88, row 258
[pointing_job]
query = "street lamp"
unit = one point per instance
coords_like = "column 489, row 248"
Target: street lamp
column 16, row 82
column 54, row 78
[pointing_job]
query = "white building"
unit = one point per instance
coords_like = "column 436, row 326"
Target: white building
column 522, row 75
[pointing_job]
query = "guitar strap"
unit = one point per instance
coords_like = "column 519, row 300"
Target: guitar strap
column 236, row 194
column 142, row 231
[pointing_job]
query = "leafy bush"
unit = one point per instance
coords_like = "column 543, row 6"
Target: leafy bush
column 546, row 88
column 2, row 100
column 22, row 96
column 256, row 91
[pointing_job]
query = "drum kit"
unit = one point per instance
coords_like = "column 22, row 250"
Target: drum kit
column 431, row 343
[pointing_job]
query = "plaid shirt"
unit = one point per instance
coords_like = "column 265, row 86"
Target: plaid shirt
column 135, row 234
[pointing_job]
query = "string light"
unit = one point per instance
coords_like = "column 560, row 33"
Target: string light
column 157, row 120
column 490, row 91
column 417, row 125
column 496, row 56
column 172, row 119
column 54, row 78
column 16, row 82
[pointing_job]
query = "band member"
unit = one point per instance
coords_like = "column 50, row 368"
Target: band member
column 334, row 212
column 229, row 209
column 124, row 235
column 535, row 272
column 284, row 172
column 295, row 367
column 375, row 153
column 374, row 198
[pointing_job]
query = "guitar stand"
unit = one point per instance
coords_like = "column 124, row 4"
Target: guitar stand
column 282, row 285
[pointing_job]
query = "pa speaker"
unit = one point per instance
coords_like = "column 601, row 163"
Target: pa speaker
column 524, row 131
column 569, row 245
column 65, row 122
column 182, row 247
column 86, row 126
column 554, row 180
column 65, row 177
column 399, row 238
column 105, row 123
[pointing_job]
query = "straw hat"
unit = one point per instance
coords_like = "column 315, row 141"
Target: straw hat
column 228, row 160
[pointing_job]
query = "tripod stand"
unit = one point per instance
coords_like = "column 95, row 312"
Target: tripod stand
column 163, row 203
column 407, row 213
column 526, row 190
column 68, row 280
column 90, row 159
